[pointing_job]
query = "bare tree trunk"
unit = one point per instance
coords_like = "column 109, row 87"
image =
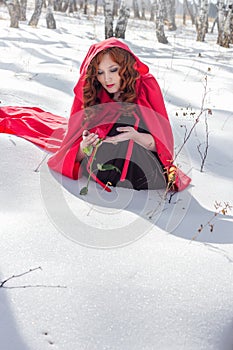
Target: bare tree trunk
column 115, row 7
column 95, row 7
column 13, row 7
column 136, row 9
column 122, row 20
column 65, row 5
column 57, row 5
column 220, row 22
column 171, row 13
column 231, row 22
column 23, row 10
column 184, row 12
column 36, row 14
column 215, row 22
column 143, row 4
column 202, row 20
column 108, row 15
column 85, row 7
column 189, row 10
column 195, row 7
column 228, row 27
column 73, row 6
column 152, row 11
column 159, row 21
column 225, row 24
column 51, row 23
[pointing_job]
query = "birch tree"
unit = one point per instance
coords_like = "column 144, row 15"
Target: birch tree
column 115, row 7
column 109, row 18
column 171, row 14
column 85, row 7
column 187, row 7
column 202, row 20
column 57, row 5
column 23, row 10
column 159, row 21
column 185, row 11
column 143, row 3
column 122, row 20
column 231, row 22
column 136, row 9
column 220, row 22
column 51, row 23
column 64, row 5
column 152, row 11
column 13, row 8
column 95, row 7
column 36, row 14
column 225, row 24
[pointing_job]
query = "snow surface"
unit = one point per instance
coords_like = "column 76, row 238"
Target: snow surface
column 122, row 270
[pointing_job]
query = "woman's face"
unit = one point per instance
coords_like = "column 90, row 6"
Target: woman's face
column 108, row 74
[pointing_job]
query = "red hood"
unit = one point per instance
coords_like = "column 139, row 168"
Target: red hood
column 141, row 67
column 111, row 42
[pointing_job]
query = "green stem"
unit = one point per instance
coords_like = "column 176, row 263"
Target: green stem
column 89, row 176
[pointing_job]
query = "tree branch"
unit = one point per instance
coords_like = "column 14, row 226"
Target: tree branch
column 41, row 162
column 205, row 152
column 202, row 110
column 3, row 283
column 219, row 209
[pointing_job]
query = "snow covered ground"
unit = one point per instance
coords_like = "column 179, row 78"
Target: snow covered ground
column 124, row 270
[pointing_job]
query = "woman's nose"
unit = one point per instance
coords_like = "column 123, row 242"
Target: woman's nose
column 107, row 77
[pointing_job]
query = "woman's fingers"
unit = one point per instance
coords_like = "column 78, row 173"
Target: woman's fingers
column 85, row 133
column 125, row 128
column 96, row 141
column 90, row 139
column 127, row 133
column 110, row 140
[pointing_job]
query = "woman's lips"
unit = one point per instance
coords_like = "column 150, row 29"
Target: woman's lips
column 110, row 86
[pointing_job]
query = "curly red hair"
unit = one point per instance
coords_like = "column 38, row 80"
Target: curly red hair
column 127, row 72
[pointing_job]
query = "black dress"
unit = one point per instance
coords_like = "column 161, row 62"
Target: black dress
column 145, row 171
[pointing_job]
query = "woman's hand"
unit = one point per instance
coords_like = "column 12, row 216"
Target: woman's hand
column 127, row 133
column 89, row 139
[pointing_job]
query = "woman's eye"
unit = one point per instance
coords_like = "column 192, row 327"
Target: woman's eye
column 100, row 72
column 113, row 70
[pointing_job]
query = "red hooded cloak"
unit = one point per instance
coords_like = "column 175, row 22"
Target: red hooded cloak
column 153, row 112
column 47, row 130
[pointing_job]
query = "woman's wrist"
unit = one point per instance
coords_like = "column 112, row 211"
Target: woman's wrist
column 145, row 140
column 80, row 154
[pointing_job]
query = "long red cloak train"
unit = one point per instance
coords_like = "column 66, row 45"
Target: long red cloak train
column 63, row 137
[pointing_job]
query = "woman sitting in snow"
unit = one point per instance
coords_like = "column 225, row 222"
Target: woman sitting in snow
column 117, row 103
column 128, row 115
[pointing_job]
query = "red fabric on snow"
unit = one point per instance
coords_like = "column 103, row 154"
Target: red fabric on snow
column 44, row 129
column 62, row 136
